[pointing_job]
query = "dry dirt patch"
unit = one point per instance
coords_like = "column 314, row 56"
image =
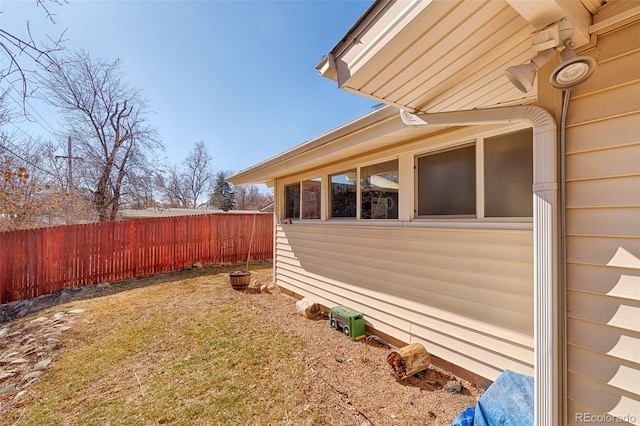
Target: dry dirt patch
column 340, row 382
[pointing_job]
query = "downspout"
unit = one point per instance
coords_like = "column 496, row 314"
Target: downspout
column 563, row 247
column 545, row 239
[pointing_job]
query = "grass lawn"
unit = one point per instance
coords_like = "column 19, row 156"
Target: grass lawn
column 173, row 352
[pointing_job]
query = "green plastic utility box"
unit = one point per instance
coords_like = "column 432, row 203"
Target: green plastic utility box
column 347, row 320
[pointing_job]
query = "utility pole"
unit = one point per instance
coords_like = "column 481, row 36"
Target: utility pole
column 69, row 158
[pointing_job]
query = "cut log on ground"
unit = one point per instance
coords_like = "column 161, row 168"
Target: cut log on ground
column 309, row 308
column 408, row 360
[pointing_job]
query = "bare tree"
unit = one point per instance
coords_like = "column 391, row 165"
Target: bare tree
column 107, row 120
column 34, row 190
column 172, row 188
column 142, row 195
column 197, row 174
column 189, row 184
column 29, row 196
column 24, row 56
column 247, row 197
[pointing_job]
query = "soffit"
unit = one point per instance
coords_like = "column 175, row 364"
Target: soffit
column 444, row 55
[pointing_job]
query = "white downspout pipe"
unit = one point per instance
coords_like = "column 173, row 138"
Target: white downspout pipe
column 545, row 235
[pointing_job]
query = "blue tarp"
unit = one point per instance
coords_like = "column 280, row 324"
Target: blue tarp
column 508, row 401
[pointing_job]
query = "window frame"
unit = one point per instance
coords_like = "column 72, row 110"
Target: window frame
column 479, row 142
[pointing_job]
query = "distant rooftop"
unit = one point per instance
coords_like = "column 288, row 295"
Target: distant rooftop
column 167, row 212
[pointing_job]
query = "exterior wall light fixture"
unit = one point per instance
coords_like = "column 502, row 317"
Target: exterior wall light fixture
column 572, row 71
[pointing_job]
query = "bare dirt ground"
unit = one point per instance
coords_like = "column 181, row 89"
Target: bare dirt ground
column 346, row 382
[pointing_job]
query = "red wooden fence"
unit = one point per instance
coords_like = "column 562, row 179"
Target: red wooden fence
column 45, row 260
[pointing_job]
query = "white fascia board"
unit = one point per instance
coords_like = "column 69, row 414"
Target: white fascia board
column 379, row 24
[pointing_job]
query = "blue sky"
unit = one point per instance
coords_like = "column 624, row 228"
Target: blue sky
column 238, row 75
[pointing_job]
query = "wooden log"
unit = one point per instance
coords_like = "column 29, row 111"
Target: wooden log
column 408, row 360
column 308, row 308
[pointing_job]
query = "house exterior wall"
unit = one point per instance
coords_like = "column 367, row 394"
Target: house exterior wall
column 603, row 234
column 463, row 289
column 465, row 295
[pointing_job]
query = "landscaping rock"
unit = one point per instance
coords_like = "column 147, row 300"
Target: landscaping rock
column 7, row 374
column 23, row 343
column 32, row 376
column 8, row 389
column 455, row 388
column 42, row 364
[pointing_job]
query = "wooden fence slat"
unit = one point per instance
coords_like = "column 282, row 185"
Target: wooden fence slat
column 45, row 260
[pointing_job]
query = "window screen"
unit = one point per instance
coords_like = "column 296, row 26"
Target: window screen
column 447, row 183
column 508, row 165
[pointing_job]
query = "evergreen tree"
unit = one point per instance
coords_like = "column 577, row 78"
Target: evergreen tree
column 222, row 196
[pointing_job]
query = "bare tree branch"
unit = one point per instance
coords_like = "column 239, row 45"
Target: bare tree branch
column 26, row 57
column 108, row 124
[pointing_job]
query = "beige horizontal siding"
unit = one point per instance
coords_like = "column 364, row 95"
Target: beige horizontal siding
column 605, row 280
column 597, row 397
column 603, row 234
column 604, row 192
column 617, row 161
column 616, row 342
column 601, row 136
column 466, row 294
column 613, row 222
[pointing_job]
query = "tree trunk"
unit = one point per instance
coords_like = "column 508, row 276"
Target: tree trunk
column 408, row 360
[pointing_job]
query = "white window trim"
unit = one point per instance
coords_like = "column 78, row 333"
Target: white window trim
column 545, row 238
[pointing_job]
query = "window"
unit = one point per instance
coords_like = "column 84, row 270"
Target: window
column 311, row 193
column 343, row 194
column 379, row 185
column 292, row 201
column 508, row 178
column 447, row 183
column 496, row 174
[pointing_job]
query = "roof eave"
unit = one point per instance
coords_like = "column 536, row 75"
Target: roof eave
column 267, row 170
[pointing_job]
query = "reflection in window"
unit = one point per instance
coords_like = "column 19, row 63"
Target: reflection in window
column 447, row 183
column 292, row 201
column 343, row 194
column 508, row 175
column 379, row 186
column 311, row 193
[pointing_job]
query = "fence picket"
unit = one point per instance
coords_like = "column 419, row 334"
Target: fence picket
column 45, row 260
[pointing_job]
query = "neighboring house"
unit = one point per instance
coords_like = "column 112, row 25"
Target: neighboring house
column 501, row 229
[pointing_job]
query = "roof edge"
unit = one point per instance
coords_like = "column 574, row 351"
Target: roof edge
column 251, row 174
